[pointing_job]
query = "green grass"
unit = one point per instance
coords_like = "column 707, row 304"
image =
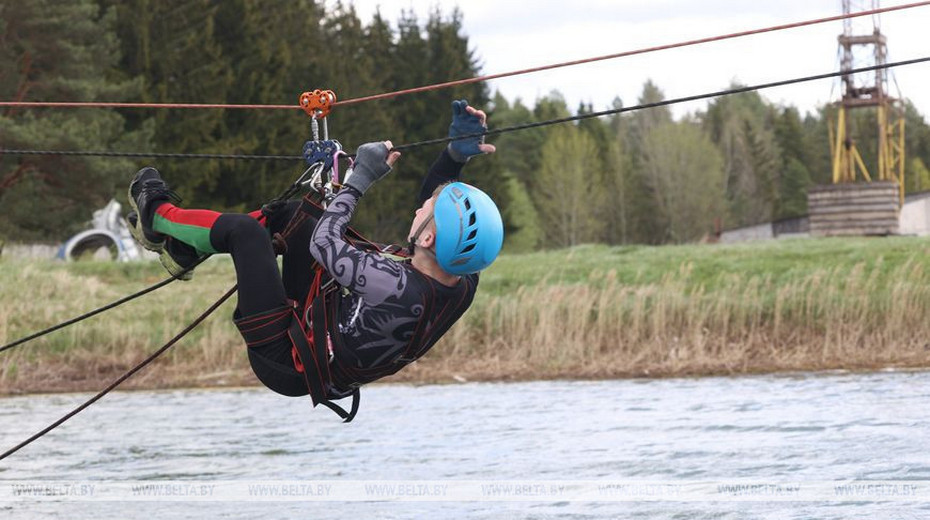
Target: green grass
column 589, row 311
column 709, row 266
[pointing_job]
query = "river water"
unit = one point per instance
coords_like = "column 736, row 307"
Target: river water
column 765, row 430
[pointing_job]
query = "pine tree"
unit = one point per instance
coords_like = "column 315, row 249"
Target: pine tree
column 740, row 126
column 262, row 44
column 519, row 152
column 60, row 52
column 645, row 221
column 819, row 162
column 171, row 44
column 794, row 178
column 435, row 53
column 380, row 122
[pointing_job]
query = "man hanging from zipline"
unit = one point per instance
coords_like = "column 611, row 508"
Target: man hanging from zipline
column 343, row 313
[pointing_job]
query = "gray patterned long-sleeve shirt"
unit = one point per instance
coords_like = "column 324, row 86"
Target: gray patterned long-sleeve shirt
column 389, row 304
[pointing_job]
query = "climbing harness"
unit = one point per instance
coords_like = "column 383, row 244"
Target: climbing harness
column 307, row 324
column 317, row 343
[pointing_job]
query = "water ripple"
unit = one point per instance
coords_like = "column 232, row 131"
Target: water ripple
column 804, row 427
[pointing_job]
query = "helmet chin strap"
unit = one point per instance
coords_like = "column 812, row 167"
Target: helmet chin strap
column 416, row 236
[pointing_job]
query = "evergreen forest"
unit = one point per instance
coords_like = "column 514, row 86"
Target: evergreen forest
column 641, row 177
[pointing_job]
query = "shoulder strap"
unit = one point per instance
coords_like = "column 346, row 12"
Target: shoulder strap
column 321, row 316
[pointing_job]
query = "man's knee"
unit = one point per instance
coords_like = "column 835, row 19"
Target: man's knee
column 233, row 229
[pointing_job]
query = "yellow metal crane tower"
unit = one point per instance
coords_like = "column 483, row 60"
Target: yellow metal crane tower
column 866, row 91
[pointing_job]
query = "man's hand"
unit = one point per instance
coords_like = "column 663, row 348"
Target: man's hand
column 372, row 162
column 468, row 120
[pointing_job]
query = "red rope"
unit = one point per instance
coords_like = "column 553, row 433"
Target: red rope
column 62, row 104
column 631, row 53
column 467, row 81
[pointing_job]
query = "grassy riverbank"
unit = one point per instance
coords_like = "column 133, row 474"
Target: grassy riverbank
column 587, row 312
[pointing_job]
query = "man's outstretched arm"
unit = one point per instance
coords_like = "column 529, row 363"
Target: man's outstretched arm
column 369, row 275
column 448, row 166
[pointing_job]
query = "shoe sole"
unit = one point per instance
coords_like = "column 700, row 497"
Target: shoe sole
column 164, row 257
column 174, row 268
column 137, row 231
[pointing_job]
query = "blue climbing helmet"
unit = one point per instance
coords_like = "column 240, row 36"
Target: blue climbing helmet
column 469, row 229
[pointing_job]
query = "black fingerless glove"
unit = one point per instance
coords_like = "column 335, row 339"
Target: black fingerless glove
column 370, row 166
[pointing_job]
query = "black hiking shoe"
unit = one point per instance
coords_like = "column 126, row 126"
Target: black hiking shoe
column 177, row 257
column 146, row 188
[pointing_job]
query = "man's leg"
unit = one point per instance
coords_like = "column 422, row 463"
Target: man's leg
column 263, row 314
column 243, row 237
column 296, row 261
column 210, row 232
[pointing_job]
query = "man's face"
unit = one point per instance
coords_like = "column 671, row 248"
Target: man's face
column 424, row 213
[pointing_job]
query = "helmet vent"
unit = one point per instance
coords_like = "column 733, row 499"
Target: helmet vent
column 468, row 248
column 467, row 204
column 472, row 235
column 471, row 219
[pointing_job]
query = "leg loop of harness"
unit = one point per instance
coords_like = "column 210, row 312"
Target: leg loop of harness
column 309, row 362
column 313, row 364
column 266, row 327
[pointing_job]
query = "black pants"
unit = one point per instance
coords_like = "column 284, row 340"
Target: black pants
column 262, row 287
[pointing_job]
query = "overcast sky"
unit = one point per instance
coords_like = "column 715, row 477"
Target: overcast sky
column 511, row 35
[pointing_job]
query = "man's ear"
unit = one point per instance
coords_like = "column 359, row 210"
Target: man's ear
column 426, row 239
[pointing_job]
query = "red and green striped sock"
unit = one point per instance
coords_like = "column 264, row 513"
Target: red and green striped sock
column 191, row 226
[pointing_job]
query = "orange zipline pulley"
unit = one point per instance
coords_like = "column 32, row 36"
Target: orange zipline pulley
column 318, row 103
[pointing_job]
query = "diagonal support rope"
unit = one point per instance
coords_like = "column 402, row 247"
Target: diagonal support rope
column 92, row 313
column 99, row 310
column 290, row 191
column 122, row 378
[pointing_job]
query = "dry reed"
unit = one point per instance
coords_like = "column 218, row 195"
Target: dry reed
column 854, row 318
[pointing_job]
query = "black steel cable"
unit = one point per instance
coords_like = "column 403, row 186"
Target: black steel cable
column 697, row 97
column 82, row 317
column 122, row 378
column 94, row 312
column 156, row 155
column 286, row 194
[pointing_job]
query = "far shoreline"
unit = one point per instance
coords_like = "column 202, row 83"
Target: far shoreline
column 85, row 387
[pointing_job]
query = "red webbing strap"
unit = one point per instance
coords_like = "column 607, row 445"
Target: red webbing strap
column 320, row 316
column 311, row 355
column 312, row 372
